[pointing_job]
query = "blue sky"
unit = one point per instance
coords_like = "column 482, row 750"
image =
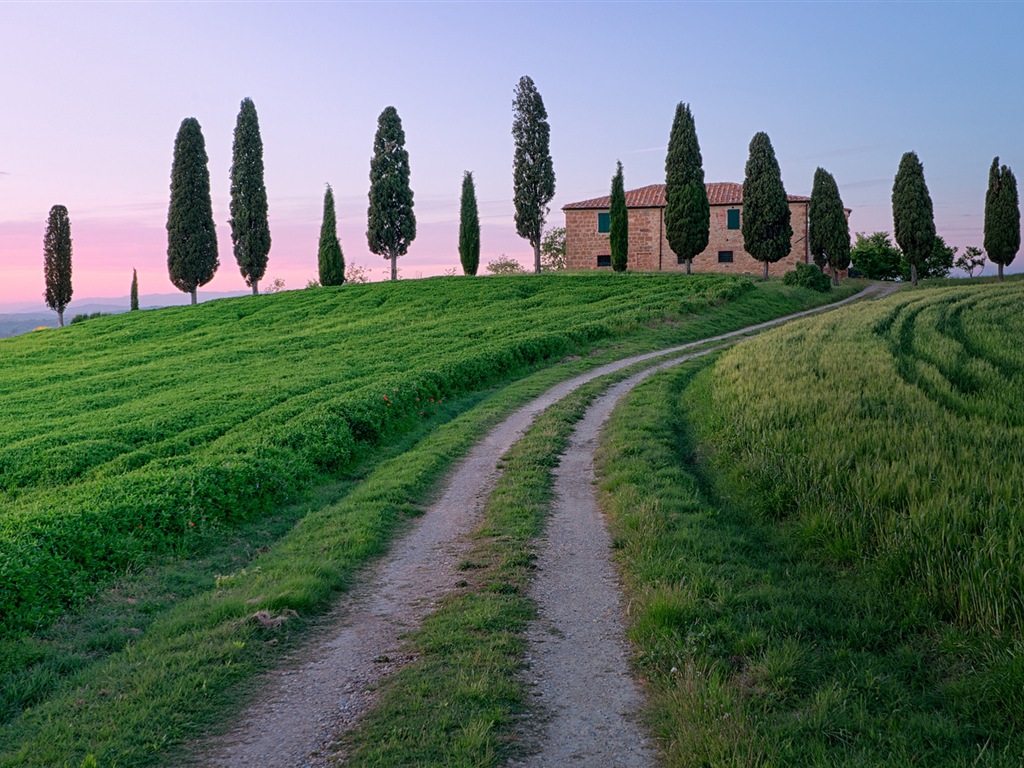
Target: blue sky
column 94, row 93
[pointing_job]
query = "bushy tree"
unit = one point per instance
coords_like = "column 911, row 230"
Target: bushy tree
column 504, row 265
column 618, row 231
column 912, row 214
column 875, row 257
column 1002, row 217
column 552, row 250
column 330, row 259
column 57, row 261
column 191, row 235
column 250, row 230
column 391, row 223
column 767, row 233
column 973, row 258
column 533, row 173
column 469, row 227
column 936, row 265
column 808, row 276
column 830, row 231
column 134, row 296
column 687, row 211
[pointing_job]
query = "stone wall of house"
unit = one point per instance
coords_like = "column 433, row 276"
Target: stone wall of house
column 583, row 243
column 649, row 250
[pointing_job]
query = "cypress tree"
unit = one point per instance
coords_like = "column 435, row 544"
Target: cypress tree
column 830, row 231
column 533, row 174
column 469, row 227
column 912, row 214
column 687, row 212
column 330, row 258
column 134, row 296
column 391, row 225
column 191, row 235
column 57, row 261
column 1002, row 217
column 618, row 230
column 766, row 229
column 250, row 230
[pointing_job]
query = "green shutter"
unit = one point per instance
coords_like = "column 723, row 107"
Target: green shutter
column 604, row 222
column 734, row 218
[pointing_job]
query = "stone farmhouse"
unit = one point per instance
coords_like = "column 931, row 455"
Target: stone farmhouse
column 587, row 225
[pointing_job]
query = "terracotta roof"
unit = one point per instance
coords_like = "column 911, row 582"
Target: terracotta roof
column 653, row 196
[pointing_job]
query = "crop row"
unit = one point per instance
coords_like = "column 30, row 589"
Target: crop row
column 892, row 432
column 124, row 435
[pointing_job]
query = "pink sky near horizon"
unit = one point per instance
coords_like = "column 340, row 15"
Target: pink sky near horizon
column 99, row 90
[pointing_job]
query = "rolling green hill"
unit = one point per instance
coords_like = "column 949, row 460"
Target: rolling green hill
column 121, row 436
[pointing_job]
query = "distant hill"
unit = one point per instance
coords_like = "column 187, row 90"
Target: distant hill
column 26, row 316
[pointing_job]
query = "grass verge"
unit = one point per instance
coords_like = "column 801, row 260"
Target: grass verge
column 759, row 651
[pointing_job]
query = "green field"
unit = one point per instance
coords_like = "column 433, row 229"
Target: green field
column 821, row 532
column 166, row 474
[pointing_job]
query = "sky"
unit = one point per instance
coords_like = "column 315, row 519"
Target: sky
column 93, row 95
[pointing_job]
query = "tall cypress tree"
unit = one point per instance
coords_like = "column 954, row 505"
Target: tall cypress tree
column 767, row 233
column 191, row 235
column 469, row 227
column 618, row 218
column 250, row 230
column 913, row 218
column 1002, row 216
column 391, row 225
column 830, row 231
column 687, row 212
column 533, row 173
column 134, row 296
column 330, row 258
column 57, row 261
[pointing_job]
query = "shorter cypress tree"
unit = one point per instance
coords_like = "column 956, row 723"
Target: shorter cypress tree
column 767, row 232
column 913, row 217
column 57, row 261
column 135, row 291
column 830, row 231
column 1002, row 217
column 330, row 258
column 618, row 219
column 469, row 227
column 191, row 234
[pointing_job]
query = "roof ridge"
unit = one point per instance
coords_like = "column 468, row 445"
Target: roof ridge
column 653, row 196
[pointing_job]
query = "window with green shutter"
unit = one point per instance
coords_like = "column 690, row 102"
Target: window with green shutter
column 604, row 222
column 733, row 218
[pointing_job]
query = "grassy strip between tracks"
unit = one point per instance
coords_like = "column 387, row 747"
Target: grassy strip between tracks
column 133, row 697
column 456, row 704
column 761, row 651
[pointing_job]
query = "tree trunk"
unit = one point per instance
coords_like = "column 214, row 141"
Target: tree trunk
column 60, row 312
column 536, row 257
column 835, row 276
column 255, row 287
column 193, row 294
column 1000, row 273
column 688, row 262
column 913, row 274
column 766, row 271
column 394, row 266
